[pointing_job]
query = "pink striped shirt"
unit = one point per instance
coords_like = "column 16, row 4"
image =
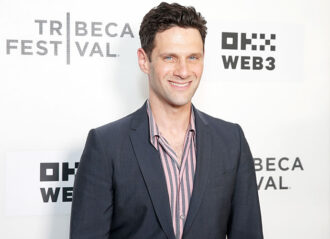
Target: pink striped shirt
column 179, row 178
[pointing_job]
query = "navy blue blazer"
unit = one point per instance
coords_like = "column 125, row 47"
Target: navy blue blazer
column 120, row 189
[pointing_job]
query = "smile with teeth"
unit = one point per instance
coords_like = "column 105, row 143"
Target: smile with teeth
column 179, row 84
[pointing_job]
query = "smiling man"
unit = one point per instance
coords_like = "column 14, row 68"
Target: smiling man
column 167, row 170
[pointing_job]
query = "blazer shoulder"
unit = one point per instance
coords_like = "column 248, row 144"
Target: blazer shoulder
column 116, row 132
column 214, row 121
column 221, row 128
column 116, row 127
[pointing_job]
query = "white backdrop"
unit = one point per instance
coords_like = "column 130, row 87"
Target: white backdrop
column 69, row 66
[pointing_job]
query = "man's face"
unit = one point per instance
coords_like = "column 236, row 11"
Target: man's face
column 176, row 66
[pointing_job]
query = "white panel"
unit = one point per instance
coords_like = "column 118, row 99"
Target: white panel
column 58, row 83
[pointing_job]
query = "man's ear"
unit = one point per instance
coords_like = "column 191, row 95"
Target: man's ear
column 143, row 60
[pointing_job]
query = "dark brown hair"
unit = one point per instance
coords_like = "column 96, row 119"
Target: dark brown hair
column 165, row 16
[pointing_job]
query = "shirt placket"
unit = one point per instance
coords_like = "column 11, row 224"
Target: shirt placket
column 180, row 211
column 181, row 197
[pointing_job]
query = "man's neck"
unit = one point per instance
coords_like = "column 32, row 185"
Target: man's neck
column 171, row 120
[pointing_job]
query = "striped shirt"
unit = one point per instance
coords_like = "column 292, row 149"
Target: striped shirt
column 179, row 178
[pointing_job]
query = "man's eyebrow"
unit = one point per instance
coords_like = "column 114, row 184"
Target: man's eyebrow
column 168, row 54
column 197, row 54
column 175, row 54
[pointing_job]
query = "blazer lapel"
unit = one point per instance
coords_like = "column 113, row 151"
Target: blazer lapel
column 151, row 169
column 203, row 143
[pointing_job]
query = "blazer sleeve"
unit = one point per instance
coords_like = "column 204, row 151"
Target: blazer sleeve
column 92, row 205
column 245, row 218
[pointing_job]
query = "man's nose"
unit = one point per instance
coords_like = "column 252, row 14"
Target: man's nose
column 181, row 69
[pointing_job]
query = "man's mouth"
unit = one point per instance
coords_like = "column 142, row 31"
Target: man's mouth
column 178, row 84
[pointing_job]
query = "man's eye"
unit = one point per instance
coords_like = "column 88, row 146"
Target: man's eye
column 168, row 58
column 193, row 58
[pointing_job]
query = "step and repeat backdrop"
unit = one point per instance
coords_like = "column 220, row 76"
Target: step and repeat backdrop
column 69, row 66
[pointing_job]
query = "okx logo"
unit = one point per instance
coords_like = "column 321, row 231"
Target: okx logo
column 59, row 173
column 248, row 51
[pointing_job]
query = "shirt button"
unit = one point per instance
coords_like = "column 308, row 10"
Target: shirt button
column 181, row 216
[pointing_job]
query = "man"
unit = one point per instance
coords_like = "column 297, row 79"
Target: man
column 167, row 170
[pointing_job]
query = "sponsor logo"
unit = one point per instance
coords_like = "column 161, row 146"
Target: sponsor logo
column 50, row 172
column 244, row 51
column 70, row 38
column 47, row 187
column 271, row 172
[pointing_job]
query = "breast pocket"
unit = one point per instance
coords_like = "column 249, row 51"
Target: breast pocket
column 223, row 179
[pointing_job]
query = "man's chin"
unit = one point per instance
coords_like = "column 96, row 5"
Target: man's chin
column 178, row 103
